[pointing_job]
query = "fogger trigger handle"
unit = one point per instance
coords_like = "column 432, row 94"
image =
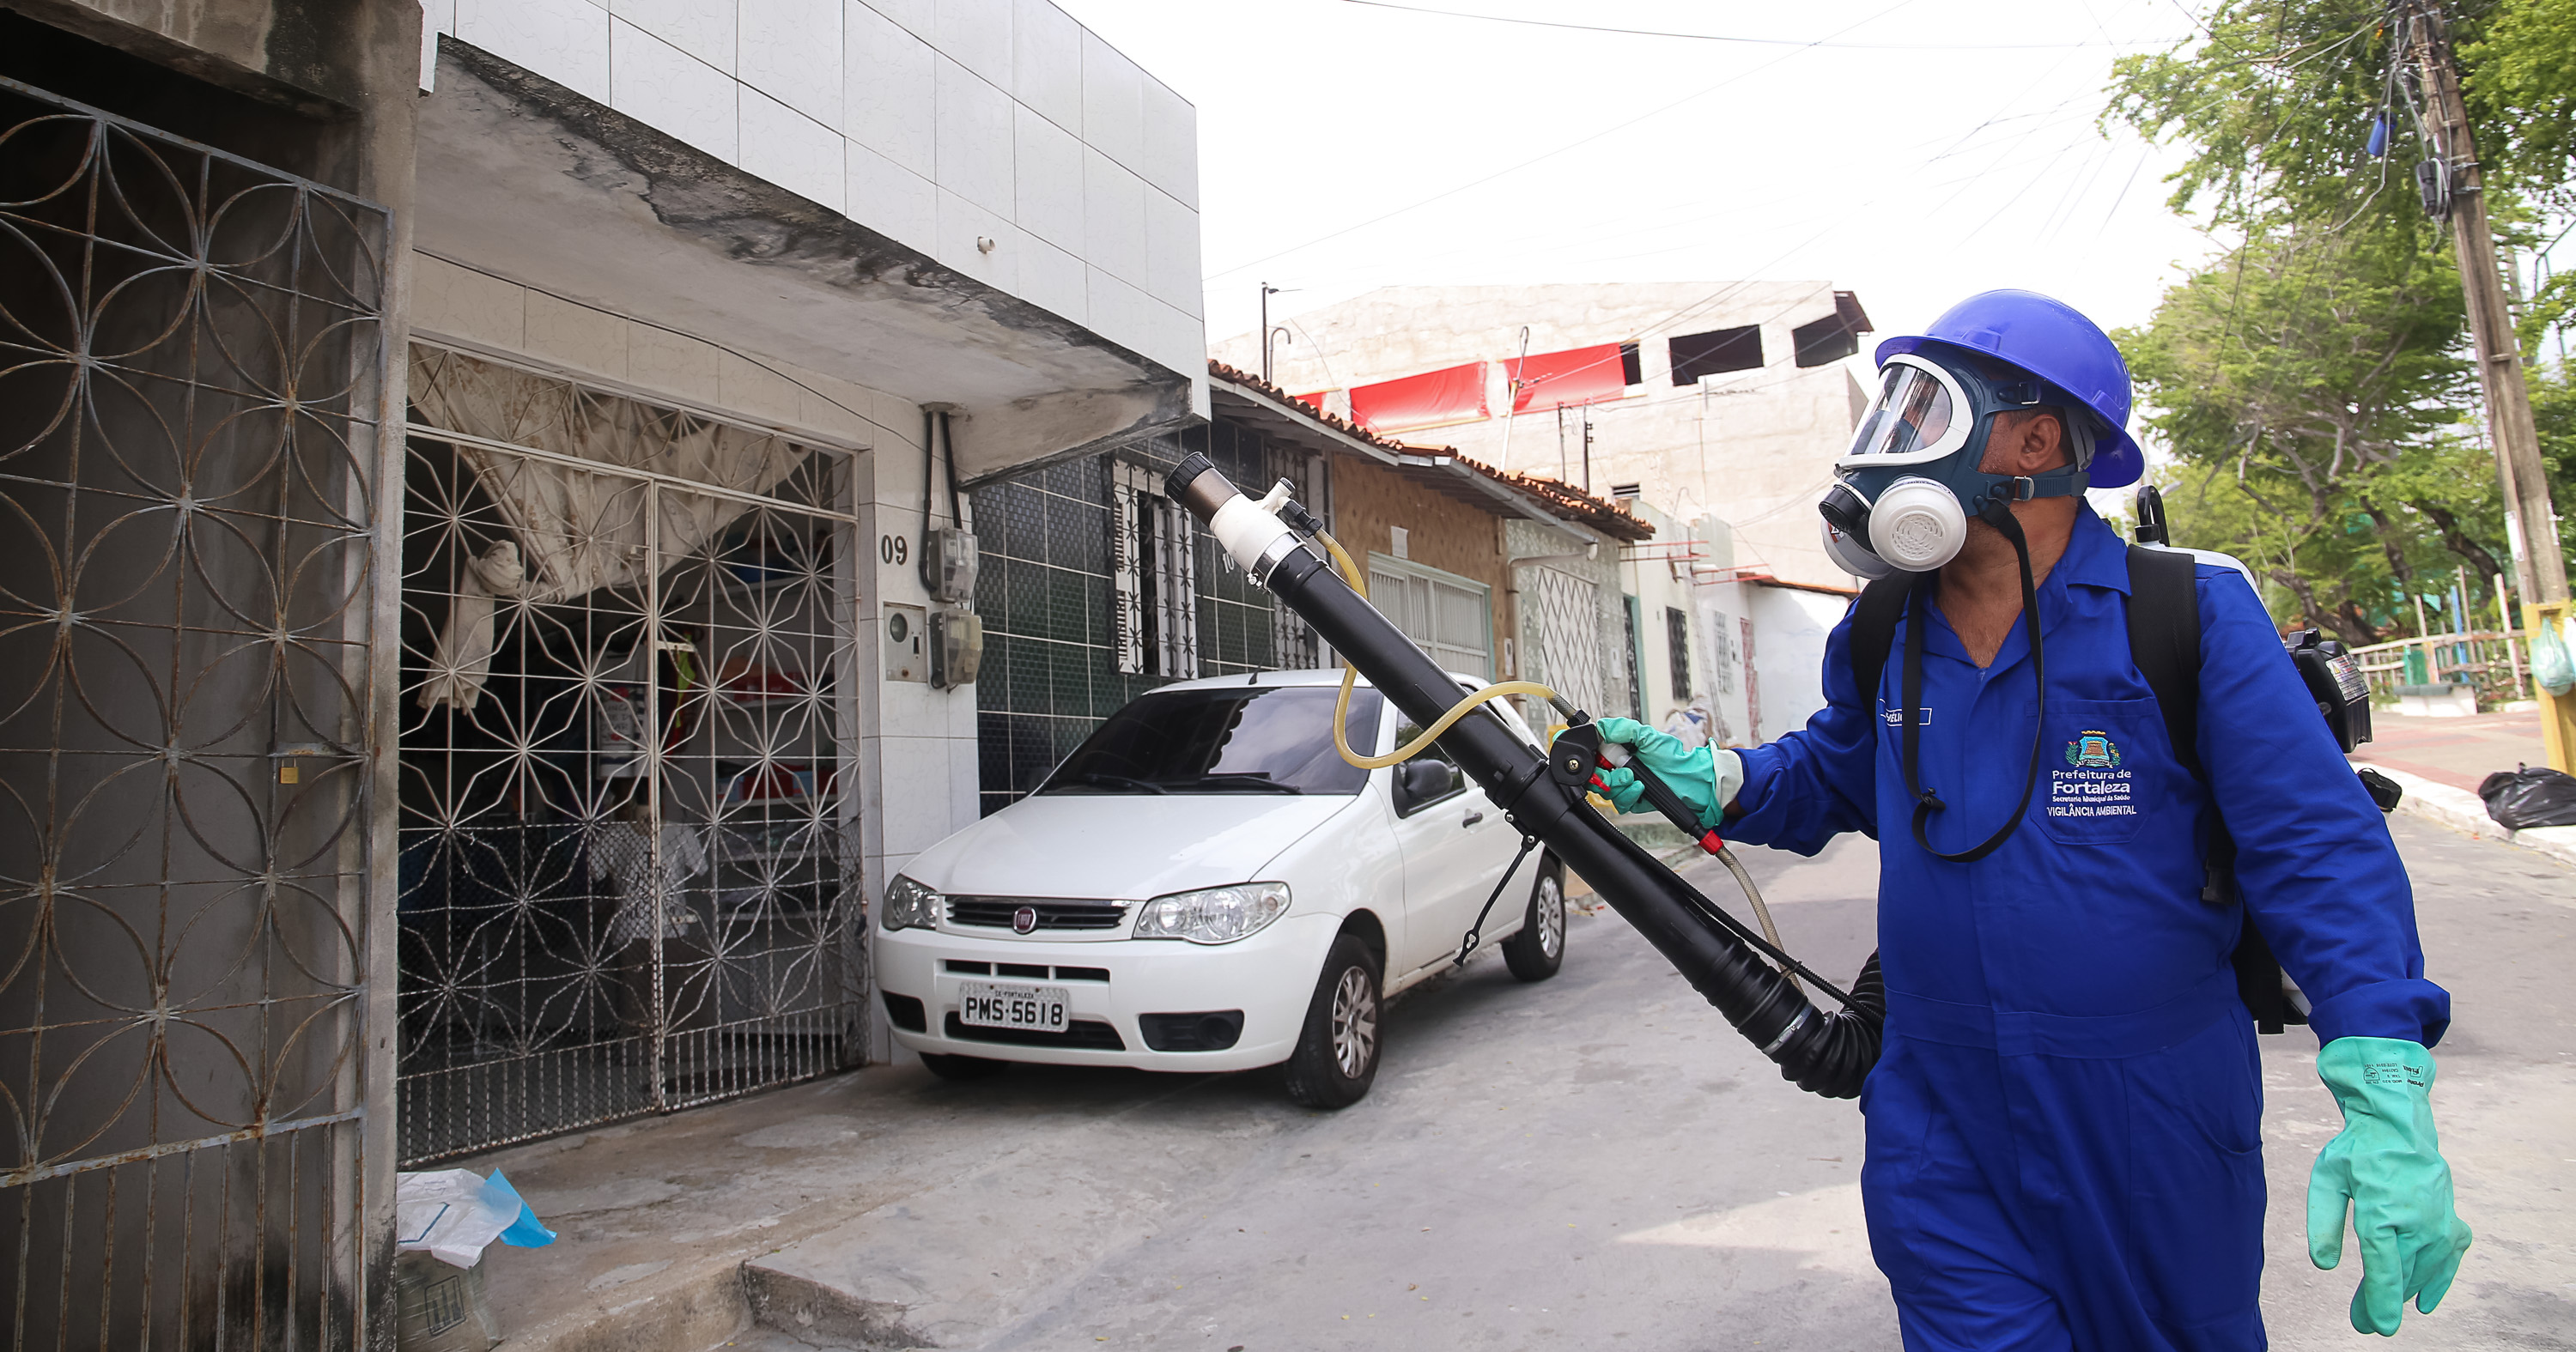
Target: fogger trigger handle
column 1578, row 750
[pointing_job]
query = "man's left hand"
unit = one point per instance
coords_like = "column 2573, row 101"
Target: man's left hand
column 2387, row 1166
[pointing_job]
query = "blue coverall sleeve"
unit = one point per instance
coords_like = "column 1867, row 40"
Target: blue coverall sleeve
column 1822, row 780
column 2314, row 859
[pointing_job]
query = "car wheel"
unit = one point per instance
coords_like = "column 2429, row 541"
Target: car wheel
column 1538, row 950
column 1336, row 1056
column 961, row 1067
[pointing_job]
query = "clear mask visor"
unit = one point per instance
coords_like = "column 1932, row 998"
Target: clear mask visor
column 1921, row 415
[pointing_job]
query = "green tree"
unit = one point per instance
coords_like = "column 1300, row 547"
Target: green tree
column 2312, row 380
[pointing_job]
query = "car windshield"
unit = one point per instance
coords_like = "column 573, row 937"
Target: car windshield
column 1244, row 739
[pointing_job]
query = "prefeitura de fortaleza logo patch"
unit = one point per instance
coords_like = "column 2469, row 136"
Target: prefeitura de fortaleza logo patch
column 2093, row 751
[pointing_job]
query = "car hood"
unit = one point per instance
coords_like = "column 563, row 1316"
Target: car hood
column 1121, row 846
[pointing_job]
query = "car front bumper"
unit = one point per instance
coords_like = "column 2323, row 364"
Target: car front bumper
column 1270, row 977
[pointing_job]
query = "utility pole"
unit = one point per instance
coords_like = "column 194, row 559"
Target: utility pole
column 2452, row 185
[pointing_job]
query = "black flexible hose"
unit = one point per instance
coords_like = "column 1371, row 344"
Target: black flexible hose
column 1824, row 1054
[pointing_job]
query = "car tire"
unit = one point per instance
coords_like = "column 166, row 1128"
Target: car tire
column 1337, row 1053
column 949, row 1067
column 1538, row 950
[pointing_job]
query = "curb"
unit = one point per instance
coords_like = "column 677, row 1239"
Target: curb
column 2464, row 811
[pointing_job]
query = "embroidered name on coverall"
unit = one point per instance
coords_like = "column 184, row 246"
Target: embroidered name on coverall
column 2063, row 1128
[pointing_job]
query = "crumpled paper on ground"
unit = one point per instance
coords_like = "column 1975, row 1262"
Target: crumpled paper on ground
column 453, row 1214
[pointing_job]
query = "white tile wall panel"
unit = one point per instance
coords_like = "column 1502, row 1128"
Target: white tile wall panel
column 1054, row 280
column 794, row 151
column 1047, row 162
column 704, row 29
column 891, row 81
column 1119, row 312
column 1046, row 65
column 1171, row 153
column 791, row 51
column 976, row 34
column 918, row 17
column 667, row 88
column 1113, row 101
column 962, row 224
column 564, row 40
column 1113, row 217
column 1178, row 339
column 891, row 200
column 934, row 122
column 1172, row 252
column 975, row 139
column 436, row 17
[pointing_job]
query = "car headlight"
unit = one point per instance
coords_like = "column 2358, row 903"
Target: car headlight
column 909, row 905
column 1218, row 915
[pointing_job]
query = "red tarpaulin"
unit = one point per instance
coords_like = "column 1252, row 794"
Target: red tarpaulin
column 1432, row 399
column 1581, row 375
column 1314, row 401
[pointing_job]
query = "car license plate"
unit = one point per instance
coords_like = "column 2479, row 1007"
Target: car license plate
column 983, row 1004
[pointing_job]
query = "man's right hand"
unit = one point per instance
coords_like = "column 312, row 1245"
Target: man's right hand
column 1704, row 777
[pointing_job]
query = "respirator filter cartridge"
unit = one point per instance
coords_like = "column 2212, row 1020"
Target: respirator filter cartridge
column 1917, row 525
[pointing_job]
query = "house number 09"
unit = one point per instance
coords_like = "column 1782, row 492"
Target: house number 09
column 893, row 548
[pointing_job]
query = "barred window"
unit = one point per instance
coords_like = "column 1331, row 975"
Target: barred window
column 1155, row 571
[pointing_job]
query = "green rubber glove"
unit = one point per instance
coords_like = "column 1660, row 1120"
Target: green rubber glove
column 2387, row 1166
column 1705, row 777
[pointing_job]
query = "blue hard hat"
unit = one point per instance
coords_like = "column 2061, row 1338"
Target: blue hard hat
column 2051, row 340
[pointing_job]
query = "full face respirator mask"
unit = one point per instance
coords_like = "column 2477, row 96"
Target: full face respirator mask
column 1904, row 492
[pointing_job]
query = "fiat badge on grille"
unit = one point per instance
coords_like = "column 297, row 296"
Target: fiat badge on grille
column 1024, row 919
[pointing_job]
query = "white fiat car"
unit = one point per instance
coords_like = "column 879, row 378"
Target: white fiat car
column 1206, row 885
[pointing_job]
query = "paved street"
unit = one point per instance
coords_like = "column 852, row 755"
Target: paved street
column 1593, row 1162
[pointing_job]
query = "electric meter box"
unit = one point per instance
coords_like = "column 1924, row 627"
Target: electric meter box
column 948, row 563
column 956, row 648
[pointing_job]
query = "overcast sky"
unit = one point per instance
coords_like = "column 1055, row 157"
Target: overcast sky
column 1948, row 147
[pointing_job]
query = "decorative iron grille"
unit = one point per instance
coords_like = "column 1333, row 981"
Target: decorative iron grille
column 1050, row 594
column 628, row 865
column 1565, row 639
column 191, row 389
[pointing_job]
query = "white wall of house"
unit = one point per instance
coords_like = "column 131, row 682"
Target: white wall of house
column 1790, row 625
column 1755, row 446
column 942, row 124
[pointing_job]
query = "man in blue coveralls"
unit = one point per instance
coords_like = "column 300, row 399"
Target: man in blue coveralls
column 2064, row 1125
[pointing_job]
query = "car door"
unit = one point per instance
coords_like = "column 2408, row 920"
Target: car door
column 1455, row 845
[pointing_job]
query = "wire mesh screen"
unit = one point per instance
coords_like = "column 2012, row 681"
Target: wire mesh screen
column 191, row 384
column 628, row 878
column 1064, row 626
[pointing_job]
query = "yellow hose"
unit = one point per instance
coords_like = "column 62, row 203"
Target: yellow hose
column 1350, row 678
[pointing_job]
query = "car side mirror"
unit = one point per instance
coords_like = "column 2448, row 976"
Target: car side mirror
column 1421, row 780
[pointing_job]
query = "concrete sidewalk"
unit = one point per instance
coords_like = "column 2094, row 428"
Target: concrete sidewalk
column 676, row 1232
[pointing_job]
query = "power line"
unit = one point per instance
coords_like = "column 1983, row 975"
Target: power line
column 1756, row 42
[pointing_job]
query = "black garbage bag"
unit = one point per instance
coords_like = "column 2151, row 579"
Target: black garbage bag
column 2529, row 796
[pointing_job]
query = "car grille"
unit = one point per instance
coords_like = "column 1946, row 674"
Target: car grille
column 995, row 913
column 1089, row 1035
column 971, row 967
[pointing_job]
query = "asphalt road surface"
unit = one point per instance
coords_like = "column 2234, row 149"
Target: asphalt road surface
column 1597, row 1161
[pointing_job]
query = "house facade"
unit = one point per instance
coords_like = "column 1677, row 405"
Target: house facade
column 1730, row 398
column 1097, row 587
column 502, row 474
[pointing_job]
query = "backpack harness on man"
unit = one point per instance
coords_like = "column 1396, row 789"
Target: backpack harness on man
column 2164, row 642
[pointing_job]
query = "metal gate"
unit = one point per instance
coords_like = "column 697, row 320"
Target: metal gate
column 191, row 387
column 629, row 863
column 1565, row 639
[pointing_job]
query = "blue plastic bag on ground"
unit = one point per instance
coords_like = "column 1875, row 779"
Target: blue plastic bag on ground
column 452, row 1214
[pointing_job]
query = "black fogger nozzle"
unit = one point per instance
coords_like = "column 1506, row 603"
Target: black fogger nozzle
column 1828, row 1054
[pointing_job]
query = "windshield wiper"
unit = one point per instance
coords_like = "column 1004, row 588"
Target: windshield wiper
column 1098, row 780
column 1257, row 783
